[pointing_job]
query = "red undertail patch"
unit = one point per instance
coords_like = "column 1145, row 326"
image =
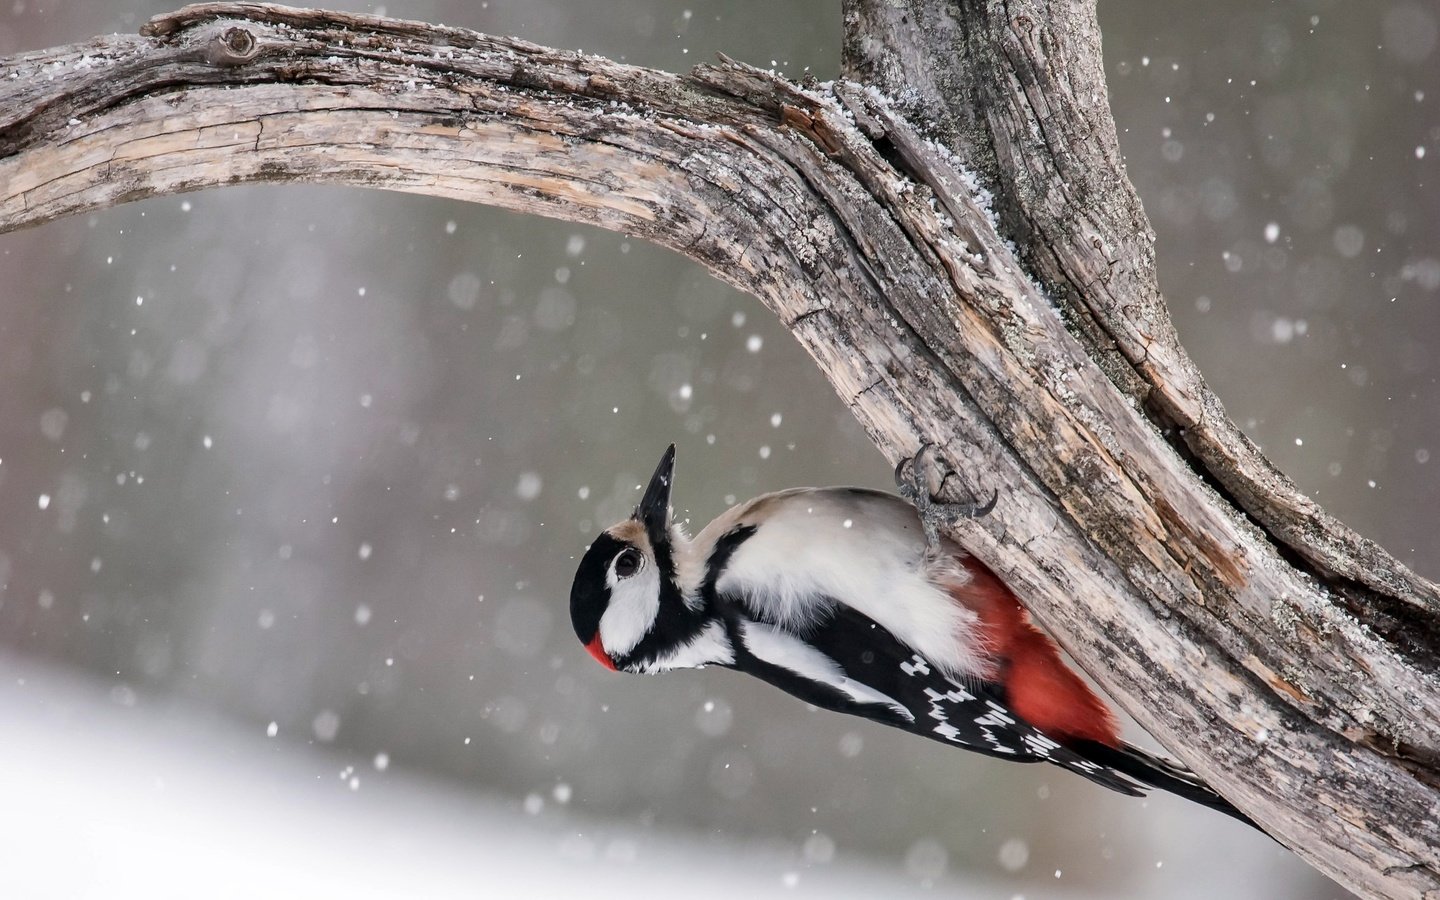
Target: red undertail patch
column 1040, row 688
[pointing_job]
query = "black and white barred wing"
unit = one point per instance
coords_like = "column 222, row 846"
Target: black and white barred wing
column 975, row 717
column 846, row 662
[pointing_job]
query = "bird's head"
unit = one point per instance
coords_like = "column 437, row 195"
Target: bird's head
column 627, row 604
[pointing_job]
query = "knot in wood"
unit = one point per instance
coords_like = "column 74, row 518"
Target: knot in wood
column 232, row 47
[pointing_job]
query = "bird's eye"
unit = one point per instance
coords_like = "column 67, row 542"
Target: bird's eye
column 628, row 562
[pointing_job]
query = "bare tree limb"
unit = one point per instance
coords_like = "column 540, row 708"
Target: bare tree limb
column 1287, row 660
column 1018, row 90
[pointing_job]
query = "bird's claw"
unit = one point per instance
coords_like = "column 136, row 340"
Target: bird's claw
column 911, row 479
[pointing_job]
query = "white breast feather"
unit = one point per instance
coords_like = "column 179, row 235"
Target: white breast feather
column 710, row 647
column 865, row 550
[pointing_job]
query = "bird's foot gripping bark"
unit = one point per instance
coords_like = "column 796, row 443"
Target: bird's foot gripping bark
column 912, row 479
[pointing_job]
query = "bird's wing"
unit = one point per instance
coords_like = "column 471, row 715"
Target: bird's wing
column 848, row 663
column 794, row 554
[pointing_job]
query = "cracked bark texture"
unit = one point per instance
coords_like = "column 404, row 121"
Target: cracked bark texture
column 951, row 235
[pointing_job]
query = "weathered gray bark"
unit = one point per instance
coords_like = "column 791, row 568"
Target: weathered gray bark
column 1290, row 662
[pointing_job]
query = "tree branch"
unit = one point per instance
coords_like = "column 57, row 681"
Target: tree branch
column 1287, row 660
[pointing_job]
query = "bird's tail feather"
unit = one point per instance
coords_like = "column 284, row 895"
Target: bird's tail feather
column 1158, row 772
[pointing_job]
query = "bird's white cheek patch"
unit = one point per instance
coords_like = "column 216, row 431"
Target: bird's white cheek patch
column 781, row 648
column 634, row 606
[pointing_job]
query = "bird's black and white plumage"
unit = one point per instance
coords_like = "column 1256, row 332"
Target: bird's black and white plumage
column 835, row 595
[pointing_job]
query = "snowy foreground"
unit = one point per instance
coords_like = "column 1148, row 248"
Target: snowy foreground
column 104, row 796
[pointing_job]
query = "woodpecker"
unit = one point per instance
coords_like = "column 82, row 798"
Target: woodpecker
column 850, row 600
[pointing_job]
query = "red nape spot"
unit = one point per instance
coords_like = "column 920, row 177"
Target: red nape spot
column 599, row 653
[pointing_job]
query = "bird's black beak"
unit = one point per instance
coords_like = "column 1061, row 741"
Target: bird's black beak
column 654, row 509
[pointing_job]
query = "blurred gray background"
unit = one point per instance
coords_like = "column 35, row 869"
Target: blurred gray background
column 316, row 464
